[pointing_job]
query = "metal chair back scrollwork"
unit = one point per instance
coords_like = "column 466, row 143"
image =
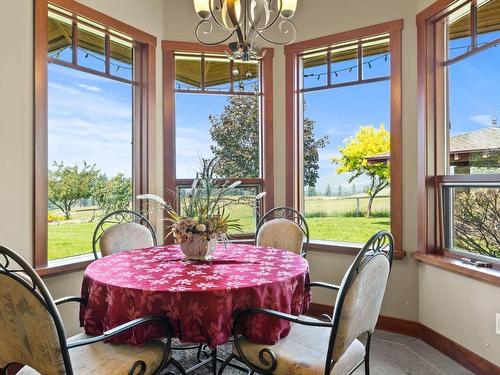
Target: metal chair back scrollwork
column 276, row 219
column 360, row 296
column 29, row 320
column 355, row 313
column 130, row 230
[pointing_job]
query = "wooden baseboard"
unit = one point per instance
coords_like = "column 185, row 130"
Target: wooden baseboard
column 470, row 360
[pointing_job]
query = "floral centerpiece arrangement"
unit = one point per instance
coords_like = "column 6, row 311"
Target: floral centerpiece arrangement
column 204, row 212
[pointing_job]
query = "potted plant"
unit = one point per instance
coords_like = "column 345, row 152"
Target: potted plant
column 204, row 214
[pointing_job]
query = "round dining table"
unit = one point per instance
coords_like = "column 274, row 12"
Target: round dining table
column 199, row 298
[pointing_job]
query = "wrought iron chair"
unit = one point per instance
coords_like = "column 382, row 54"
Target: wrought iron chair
column 122, row 230
column 326, row 347
column 284, row 228
column 33, row 334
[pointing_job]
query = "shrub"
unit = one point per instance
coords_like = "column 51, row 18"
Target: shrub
column 317, row 214
column 53, row 217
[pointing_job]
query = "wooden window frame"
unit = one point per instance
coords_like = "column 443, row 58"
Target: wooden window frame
column 170, row 180
column 144, row 113
column 292, row 53
column 431, row 169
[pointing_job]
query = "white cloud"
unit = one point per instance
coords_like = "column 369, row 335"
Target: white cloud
column 484, row 120
column 89, row 87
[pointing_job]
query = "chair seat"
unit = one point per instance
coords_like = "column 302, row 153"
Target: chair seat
column 110, row 359
column 304, row 351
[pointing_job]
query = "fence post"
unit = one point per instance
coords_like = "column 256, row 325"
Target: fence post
column 357, row 207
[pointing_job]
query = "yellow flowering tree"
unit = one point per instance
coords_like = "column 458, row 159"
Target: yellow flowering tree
column 368, row 141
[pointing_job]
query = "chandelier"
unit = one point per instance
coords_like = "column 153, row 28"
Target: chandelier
column 246, row 24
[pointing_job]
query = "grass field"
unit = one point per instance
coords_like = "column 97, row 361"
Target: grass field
column 328, row 218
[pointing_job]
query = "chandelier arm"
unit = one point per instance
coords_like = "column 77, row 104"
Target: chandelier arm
column 219, row 23
column 294, row 34
column 197, row 31
column 265, row 27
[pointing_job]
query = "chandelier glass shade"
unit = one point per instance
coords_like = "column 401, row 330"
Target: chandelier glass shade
column 246, row 24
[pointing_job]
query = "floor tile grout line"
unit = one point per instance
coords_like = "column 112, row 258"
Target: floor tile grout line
column 412, row 351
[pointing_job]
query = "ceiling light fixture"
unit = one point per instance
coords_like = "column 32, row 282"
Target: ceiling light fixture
column 246, row 22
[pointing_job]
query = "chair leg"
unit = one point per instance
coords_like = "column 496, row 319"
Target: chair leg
column 367, row 354
column 178, row 366
column 225, row 363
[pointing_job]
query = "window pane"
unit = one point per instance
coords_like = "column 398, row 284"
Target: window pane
column 187, row 73
column 243, row 209
column 246, row 76
column 91, row 134
column 224, row 126
column 472, row 222
column 315, row 69
column 344, row 65
column 488, row 21
column 353, row 121
column 217, row 74
column 474, row 135
column 91, row 50
column 459, row 32
column 121, row 55
column 376, row 59
column 60, row 36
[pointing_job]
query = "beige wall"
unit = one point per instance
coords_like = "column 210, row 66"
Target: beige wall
column 448, row 303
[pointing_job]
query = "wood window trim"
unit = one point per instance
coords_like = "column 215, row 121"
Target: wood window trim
column 429, row 250
column 394, row 29
column 170, row 182
column 147, row 116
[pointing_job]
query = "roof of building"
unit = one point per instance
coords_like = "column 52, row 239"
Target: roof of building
column 470, row 142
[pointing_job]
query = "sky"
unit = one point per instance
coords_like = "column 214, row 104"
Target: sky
column 90, row 117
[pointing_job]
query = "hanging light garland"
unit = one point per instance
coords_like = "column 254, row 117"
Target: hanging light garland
column 246, row 23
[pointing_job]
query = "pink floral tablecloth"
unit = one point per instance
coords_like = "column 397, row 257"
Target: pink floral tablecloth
column 200, row 299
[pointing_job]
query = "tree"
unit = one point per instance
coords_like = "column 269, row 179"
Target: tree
column 67, row 185
column 353, row 189
column 477, row 221
column 113, row 194
column 235, row 133
column 311, row 191
column 368, row 141
column 236, row 136
column 312, row 146
column 339, row 191
column 328, row 191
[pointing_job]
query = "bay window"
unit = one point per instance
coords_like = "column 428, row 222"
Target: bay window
column 91, row 126
column 344, row 135
column 459, row 98
column 219, row 108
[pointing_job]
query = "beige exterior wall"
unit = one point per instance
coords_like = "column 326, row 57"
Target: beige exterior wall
column 458, row 307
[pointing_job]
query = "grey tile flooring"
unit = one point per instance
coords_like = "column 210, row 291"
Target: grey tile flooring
column 391, row 354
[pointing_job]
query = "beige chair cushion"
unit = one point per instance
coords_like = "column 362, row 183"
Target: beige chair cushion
column 281, row 234
column 27, row 331
column 362, row 303
column 303, row 352
column 125, row 236
column 109, row 359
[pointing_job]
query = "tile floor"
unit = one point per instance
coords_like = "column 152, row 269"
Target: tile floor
column 391, row 354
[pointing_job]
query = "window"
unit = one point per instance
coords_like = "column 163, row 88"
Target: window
column 463, row 136
column 345, row 143
column 232, row 122
column 91, row 131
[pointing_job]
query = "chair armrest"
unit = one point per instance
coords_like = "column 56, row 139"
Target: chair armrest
column 321, row 284
column 271, row 361
column 80, row 300
column 125, row 327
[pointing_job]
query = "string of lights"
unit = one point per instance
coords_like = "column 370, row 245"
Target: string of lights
column 349, row 68
column 88, row 54
column 241, row 86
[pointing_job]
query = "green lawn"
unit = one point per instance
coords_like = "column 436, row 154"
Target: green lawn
column 328, row 219
column 68, row 239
